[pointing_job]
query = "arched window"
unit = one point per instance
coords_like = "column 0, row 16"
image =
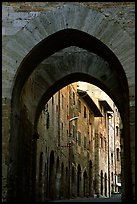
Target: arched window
column 116, row 130
column 117, row 154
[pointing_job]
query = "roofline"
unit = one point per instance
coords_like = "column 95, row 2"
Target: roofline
column 93, row 107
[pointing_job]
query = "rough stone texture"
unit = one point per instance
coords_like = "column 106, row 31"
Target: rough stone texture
column 56, row 139
column 26, row 24
column 5, row 144
column 114, row 34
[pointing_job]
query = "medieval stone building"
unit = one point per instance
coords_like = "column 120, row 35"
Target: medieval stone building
column 73, row 148
column 108, row 142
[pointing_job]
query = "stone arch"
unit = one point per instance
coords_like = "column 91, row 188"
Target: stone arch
column 88, row 42
column 106, row 49
column 106, row 29
column 72, row 76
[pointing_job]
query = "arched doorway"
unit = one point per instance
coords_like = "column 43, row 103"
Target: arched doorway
column 105, row 184
column 57, row 179
column 52, row 176
column 91, row 185
column 99, row 60
column 101, row 183
column 73, row 182
column 85, row 183
column 79, row 180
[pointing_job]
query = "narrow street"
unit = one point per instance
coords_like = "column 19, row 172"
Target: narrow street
column 91, row 199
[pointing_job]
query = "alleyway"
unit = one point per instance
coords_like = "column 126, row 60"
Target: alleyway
column 91, row 200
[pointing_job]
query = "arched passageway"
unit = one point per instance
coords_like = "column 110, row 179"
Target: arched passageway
column 79, row 181
column 91, row 185
column 97, row 64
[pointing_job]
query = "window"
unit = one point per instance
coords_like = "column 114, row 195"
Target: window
column 47, row 119
column 62, row 101
column 101, row 141
column 90, row 118
column 117, row 154
column 62, row 129
column 73, row 98
column 74, row 132
column 85, row 112
column 79, row 138
column 79, row 106
column 116, row 130
column 105, row 119
column 85, row 141
column 111, row 176
column 105, row 145
column 67, row 111
column 112, row 158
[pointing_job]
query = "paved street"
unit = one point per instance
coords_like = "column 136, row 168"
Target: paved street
column 91, row 200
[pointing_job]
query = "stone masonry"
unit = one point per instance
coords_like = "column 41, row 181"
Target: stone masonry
column 46, row 46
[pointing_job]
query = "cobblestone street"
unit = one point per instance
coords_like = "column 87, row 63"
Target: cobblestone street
column 92, row 200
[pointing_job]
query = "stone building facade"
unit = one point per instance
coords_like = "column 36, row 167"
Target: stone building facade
column 108, row 142
column 107, row 150
column 69, row 159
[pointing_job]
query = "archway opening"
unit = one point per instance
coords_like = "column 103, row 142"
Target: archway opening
column 98, row 133
column 28, row 113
